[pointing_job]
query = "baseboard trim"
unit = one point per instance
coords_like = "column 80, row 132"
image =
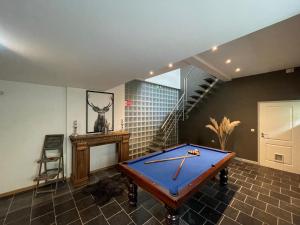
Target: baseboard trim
column 20, row 190
column 6, row 194
column 247, row 160
column 104, row 168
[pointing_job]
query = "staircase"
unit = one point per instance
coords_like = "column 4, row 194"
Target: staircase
column 197, row 85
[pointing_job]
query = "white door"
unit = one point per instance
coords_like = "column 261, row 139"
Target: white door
column 279, row 135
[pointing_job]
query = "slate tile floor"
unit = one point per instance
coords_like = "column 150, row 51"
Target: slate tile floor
column 255, row 195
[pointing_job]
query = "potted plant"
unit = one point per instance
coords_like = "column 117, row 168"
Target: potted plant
column 223, row 130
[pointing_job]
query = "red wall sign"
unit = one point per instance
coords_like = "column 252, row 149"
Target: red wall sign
column 128, row 103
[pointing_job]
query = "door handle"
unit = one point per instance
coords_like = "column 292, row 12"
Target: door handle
column 263, row 135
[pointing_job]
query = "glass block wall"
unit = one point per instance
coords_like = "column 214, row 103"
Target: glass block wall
column 148, row 106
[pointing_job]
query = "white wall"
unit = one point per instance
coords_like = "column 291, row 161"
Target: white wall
column 28, row 112
column 169, row 79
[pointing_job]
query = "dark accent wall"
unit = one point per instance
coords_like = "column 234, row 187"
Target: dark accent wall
column 238, row 99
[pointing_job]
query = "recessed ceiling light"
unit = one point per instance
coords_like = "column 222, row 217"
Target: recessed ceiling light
column 237, row 70
column 151, row 72
column 228, row 61
column 214, row 48
column 170, row 65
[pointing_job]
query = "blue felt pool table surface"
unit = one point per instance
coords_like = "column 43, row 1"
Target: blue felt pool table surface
column 162, row 172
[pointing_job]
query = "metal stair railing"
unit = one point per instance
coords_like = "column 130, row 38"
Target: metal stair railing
column 170, row 124
column 179, row 111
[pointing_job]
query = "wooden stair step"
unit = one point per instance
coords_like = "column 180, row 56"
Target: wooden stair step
column 200, row 92
column 49, row 159
column 191, row 102
column 48, row 175
column 209, row 80
column 204, row 86
column 154, row 149
column 196, row 97
column 158, row 143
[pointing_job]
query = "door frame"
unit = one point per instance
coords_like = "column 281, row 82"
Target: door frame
column 259, row 104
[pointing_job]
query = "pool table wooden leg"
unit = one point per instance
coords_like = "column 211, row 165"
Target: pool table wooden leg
column 172, row 216
column 132, row 193
column 224, row 177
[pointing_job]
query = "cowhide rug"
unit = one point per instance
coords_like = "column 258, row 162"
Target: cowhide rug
column 107, row 188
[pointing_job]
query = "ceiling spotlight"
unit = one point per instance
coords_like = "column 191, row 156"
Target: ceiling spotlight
column 237, row 70
column 214, row 48
column 228, row 61
column 151, row 72
column 170, row 65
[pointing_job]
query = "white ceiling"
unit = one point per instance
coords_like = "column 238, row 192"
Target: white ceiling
column 273, row 48
column 99, row 44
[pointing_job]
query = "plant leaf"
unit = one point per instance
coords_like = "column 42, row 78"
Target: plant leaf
column 214, row 123
column 209, row 126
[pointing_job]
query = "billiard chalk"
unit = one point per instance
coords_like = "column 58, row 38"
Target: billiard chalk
column 173, row 190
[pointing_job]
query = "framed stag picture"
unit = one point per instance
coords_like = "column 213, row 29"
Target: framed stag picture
column 99, row 111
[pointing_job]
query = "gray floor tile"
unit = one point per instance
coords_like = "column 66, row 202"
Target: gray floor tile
column 260, row 195
column 110, row 209
column 120, row 218
column 140, row 216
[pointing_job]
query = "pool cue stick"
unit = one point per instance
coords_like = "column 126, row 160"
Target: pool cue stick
column 178, row 169
column 169, row 159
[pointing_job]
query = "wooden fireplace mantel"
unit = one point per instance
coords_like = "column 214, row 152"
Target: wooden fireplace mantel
column 81, row 152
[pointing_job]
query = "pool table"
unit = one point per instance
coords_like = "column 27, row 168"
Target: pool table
column 157, row 178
